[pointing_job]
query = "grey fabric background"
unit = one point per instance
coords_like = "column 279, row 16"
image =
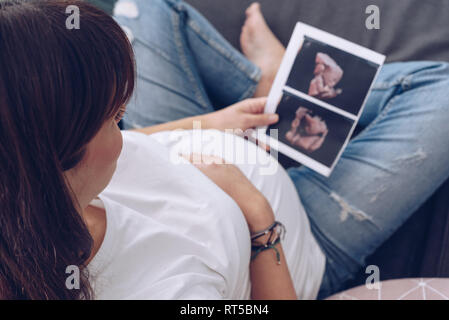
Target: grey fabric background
column 409, row 29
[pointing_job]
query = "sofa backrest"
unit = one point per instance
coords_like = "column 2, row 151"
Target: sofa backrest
column 409, row 29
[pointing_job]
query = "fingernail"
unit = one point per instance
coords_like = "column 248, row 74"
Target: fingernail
column 274, row 117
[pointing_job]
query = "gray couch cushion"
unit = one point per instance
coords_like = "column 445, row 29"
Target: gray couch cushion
column 409, row 29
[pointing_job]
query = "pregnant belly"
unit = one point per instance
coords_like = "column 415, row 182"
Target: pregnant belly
column 301, row 250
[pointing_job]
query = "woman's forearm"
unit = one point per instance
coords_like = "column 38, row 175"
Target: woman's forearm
column 270, row 280
column 200, row 122
column 243, row 115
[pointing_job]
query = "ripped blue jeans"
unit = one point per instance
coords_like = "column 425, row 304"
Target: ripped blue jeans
column 399, row 158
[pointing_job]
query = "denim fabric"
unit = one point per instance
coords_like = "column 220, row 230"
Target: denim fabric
column 399, row 159
column 185, row 68
column 106, row 5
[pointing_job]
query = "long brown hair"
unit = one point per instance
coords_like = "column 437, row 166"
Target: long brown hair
column 57, row 88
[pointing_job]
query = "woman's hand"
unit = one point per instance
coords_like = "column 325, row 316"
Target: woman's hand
column 255, row 207
column 243, row 115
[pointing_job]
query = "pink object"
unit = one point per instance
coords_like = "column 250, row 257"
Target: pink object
column 402, row 289
column 327, row 74
column 307, row 132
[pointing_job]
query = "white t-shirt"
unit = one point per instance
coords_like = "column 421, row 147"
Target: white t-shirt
column 173, row 234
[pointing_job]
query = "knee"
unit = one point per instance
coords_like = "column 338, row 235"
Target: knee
column 430, row 87
column 434, row 76
column 145, row 20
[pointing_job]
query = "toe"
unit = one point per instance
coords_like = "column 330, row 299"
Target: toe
column 243, row 36
column 254, row 7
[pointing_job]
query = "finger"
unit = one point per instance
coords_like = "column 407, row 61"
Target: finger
column 256, row 105
column 264, row 146
column 260, row 120
column 259, row 143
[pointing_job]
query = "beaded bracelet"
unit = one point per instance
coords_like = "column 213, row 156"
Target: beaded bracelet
column 271, row 228
column 271, row 243
column 259, row 249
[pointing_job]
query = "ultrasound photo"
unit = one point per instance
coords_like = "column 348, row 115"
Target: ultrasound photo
column 319, row 93
column 310, row 129
column 332, row 75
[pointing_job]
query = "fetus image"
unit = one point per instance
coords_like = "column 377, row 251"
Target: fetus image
column 307, row 132
column 327, row 75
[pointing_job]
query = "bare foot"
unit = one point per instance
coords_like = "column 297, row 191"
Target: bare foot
column 261, row 47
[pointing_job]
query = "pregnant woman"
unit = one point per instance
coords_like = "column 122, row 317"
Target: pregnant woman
column 132, row 213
